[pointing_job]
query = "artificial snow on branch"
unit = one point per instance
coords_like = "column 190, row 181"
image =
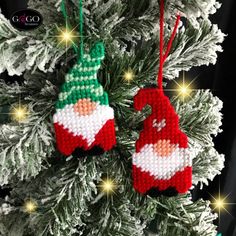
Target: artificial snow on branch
column 24, row 149
column 21, row 51
column 62, row 198
column 115, row 24
column 25, row 146
column 194, row 47
column 207, row 164
column 200, row 118
column 194, row 9
column 180, row 216
column 66, row 190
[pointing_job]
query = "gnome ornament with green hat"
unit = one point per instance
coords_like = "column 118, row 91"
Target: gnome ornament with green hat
column 84, row 121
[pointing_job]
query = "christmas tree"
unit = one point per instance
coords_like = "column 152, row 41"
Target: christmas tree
column 90, row 192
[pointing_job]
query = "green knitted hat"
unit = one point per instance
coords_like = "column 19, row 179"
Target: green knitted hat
column 81, row 81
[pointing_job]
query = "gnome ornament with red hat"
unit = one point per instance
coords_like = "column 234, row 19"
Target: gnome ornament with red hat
column 162, row 162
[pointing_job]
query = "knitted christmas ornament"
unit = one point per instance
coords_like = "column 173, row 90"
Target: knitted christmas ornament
column 83, row 116
column 83, row 119
column 162, row 161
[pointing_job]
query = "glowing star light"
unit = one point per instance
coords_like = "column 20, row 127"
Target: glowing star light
column 30, row 206
column 220, row 203
column 67, row 36
column 19, row 112
column 108, row 186
column 128, row 75
column 183, row 89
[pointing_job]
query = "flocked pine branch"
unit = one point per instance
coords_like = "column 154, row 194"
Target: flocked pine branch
column 204, row 43
column 207, row 164
column 25, row 146
column 117, row 25
column 113, row 216
column 194, row 9
column 22, row 51
column 201, row 119
column 67, row 190
column 23, row 149
column 184, row 217
column 59, row 189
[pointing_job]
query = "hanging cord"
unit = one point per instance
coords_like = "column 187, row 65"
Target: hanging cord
column 163, row 55
column 81, row 23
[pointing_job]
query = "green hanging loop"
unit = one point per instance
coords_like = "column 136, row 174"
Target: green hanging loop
column 81, row 23
column 64, row 12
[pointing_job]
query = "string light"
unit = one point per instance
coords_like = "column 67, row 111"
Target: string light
column 30, row 206
column 128, row 75
column 19, row 112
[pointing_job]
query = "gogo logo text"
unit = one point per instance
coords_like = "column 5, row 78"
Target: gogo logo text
column 27, row 19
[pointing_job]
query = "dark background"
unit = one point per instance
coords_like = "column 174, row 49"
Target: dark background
column 221, row 80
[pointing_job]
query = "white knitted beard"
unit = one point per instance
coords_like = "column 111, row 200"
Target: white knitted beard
column 86, row 126
column 162, row 167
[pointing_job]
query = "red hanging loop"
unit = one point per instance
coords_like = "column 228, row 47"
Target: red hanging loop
column 163, row 56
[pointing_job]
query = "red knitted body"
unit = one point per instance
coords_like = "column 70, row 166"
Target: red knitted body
column 162, row 157
column 67, row 142
column 147, row 181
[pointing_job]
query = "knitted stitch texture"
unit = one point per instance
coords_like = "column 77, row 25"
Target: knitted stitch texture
column 83, row 117
column 162, row 159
